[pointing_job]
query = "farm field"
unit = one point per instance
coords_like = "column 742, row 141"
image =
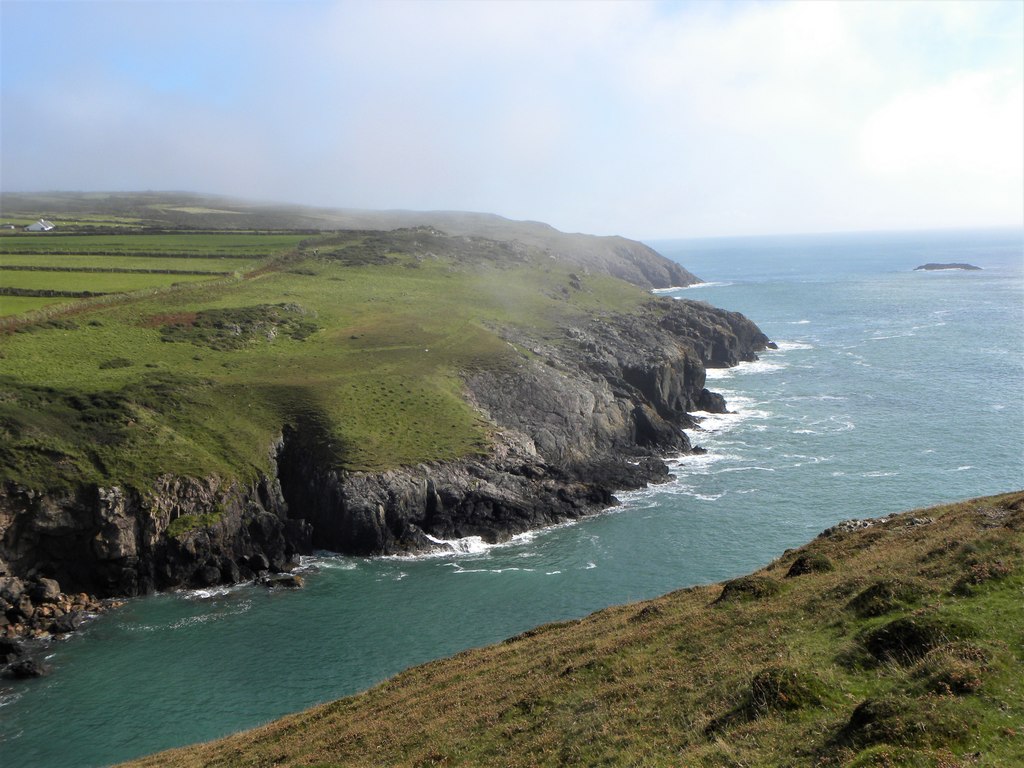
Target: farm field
column 94, row 282
column 184, row 244
column 16, row 305
column 92, row 261
column 97, row 264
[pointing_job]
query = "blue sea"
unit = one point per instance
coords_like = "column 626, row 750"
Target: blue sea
column 891, row 389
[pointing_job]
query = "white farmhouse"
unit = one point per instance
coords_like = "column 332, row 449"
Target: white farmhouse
column 40, row 226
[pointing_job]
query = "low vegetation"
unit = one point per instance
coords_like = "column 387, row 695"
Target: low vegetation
column 362, row 336
column 795, row 674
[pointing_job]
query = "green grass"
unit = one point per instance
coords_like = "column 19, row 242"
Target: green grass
column 783, row 679
column 16, row 305
column 372, row 355
column 92, row 261
column 94, row 282
column 203, row 244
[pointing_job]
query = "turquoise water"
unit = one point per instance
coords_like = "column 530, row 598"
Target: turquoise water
column 891, row 389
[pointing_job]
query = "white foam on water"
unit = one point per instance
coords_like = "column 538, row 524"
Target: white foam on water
column 789, row 346
column 882, row 335
column 710, row 284
column 879, row 473
column 459, row 569
column 208, row 593
column 589, row 566
column 800, row 322
column 721, row 422
column 743, row 369
column 963, row 468
column 474, row 545
column 9, row 698
column 802, row 460
column 552, row 573
column 468, row 545
column 692, row 462
column 329, row 561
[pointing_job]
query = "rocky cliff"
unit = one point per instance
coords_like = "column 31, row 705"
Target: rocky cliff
column 587, row 409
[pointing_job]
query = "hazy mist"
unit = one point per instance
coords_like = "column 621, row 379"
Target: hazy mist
column 641, row 119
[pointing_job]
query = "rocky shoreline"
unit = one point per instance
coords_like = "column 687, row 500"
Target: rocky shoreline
column 585, row 411
column 33, row 611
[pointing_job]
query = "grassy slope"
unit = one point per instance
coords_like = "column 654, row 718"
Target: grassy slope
column 687, row 679
column 97, row 394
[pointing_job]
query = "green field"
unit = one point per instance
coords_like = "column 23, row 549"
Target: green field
column 202, row 244
column 80, row 260
column 368, row 353
column 94, row 282
column 16, row 305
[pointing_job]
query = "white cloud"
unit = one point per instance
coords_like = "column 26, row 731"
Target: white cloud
column 972, row 124
column 638, row 118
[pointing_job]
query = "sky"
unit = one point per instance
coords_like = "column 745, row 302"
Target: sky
column 645, row 119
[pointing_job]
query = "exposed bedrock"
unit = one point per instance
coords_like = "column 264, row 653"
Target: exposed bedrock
column 586, row 410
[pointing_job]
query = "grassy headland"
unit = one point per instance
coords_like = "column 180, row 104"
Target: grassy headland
column 899, row 643
column 359, row 337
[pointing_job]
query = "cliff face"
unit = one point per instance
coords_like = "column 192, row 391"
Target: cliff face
column 587, row 410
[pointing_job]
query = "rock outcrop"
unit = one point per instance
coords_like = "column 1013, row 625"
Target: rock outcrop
column 933, row 267
column 586, row 410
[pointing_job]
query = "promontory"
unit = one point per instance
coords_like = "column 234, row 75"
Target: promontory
column 195, row 391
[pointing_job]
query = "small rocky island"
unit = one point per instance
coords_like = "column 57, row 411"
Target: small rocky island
column 937, row 267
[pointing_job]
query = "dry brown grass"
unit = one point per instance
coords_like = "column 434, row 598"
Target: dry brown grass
column 784, row 679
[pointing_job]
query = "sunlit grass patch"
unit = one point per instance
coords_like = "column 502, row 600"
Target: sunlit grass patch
column 16, row 305
column 91, row 282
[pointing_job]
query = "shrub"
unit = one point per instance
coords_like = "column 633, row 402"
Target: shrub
column 749, row 588
column 810, row 562
column 907, row 639
column 783, row 688
column 882, row 597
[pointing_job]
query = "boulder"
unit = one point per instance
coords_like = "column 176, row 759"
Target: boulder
column 10, row 650
column 45, row 591
column 69, row 622
column 26, row 668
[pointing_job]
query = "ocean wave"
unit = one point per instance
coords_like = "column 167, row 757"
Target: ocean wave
column 209, row 593
column 789, row 346
column 742, row 369
column 709, row 284
column 721, row 422
column 459, row 569
column 800, row 322
column 474, row 545
column 330, row 561
column 802, row 460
